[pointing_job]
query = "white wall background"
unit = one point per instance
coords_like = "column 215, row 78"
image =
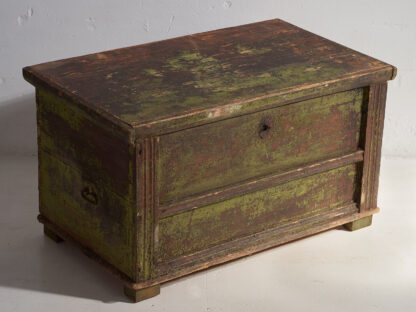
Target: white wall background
column 36, row 31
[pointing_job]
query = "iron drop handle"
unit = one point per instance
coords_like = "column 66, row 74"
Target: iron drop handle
column 89, row 194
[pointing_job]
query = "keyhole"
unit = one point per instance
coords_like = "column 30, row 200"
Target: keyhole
column 264, row 130
column 264, row 127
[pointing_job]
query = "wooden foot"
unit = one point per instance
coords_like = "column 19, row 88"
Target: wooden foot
column 137, row 295
column 49, row 233
column 359, row 224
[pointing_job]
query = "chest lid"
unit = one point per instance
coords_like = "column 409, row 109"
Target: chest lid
column 194, row 79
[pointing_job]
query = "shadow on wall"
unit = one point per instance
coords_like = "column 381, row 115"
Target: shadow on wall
column 18, row 126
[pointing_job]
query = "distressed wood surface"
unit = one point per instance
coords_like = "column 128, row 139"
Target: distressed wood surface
column 258, row 184
column 248, row 245
column 372, row 145
column 223, row 253
column 359, row 224
column 166, row 158
column 216, row 72
column 254, row 212
column 97, row 148
column 252, row 244
column 212, row 156
column 106, row 227
column 87, row 181
column 141, row 294
column 146, row 208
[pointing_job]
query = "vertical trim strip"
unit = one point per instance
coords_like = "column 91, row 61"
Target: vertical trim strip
column 148, row 217
column 139, row 209
column 155, row 153
column 372, row 149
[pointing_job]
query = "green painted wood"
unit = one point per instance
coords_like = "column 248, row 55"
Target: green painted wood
column 174, row 79
column 107, row 227
column 359, row 224
column 99, row 149
column 125, row 134
column 87, row 179
column 211, row 156
column 137, row 295
column 251, row 213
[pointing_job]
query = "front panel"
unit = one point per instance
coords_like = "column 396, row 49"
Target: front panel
column 275, row 206
column 205, row 158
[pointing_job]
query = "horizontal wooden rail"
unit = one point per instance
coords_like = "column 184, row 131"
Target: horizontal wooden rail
column 254, row 185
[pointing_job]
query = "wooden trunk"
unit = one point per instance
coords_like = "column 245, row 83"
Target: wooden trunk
column 167, row 158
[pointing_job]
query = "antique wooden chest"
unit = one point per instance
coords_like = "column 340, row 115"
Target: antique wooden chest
column 167, row 158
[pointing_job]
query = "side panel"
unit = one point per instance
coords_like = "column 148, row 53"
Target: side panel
column 104, row 226
column 83, row 140
column 87, row 180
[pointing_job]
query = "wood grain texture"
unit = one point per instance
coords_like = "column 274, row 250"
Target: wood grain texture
column 224, row 253
column 87, row 179
column 258, row 184
column 106, row 227
column 372, row 148
column 167, row 158
column 251, row 244
column 359, row 224
column 206, row 76
column 147, row 211
column 254, row 212
column 219, row 154
column 141, row 294
column 97, row 148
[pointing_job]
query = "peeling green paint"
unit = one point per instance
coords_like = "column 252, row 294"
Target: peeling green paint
column 187, row 82
column 153, row 72
column 77, row 151
column 359, row 224
column 301, row 133
column 193, row 62
column 252, row 50
column 210, row 80
column 107, row 228
column 213, row 224
column 206, row 71
column 75, row 136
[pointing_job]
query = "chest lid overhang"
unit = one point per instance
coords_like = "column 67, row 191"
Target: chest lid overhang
column 195, row 79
